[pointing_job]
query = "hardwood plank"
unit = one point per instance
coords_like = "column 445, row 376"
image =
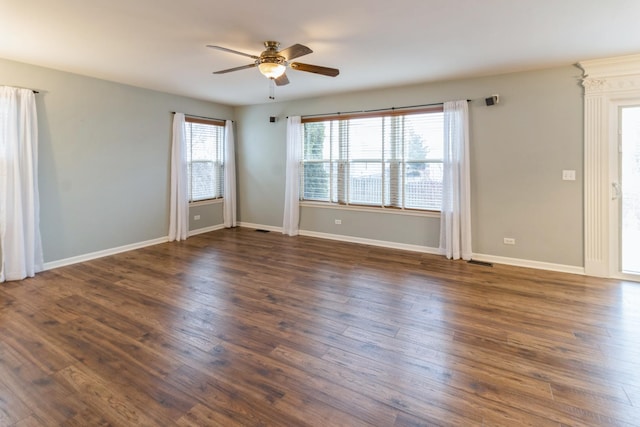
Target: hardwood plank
column 129, row 366
column 30, row 421
column 33, row 345
column 48, row 401
column 419, row 403
column 316, row 412
column 87, row 417
column 226, row 397
column 116, row 407
column 319, row 393
column 201, row 415
column 12, row 409
column 236, row 327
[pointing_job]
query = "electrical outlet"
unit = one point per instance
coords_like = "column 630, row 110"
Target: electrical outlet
column 196, row 217
column 338, row 221
column 569, row 175
column 509, row 241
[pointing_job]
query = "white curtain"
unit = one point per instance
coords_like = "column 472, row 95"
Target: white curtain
column 179, row 204
column 229, row 201
column 455, row 218
column 20, row 243
column 292, row 179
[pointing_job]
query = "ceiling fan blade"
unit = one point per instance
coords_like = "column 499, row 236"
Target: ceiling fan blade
column 295, row 51
column 228, row 70
column 325, row 71
column 225, row 49
column 282, row 80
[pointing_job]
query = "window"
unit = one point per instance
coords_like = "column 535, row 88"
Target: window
column 391, row 159
column 205, row 155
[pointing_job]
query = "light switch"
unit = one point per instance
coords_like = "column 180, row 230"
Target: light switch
column 569, row 175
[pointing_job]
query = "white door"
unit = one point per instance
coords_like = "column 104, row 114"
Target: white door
column 626, row 194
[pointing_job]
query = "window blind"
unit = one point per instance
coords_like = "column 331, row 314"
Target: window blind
column 389, row 159
column 205, row 154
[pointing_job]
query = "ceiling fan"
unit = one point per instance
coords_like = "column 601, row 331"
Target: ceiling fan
column 273, row 63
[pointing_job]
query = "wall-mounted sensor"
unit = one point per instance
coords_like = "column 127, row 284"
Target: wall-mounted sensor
column 272, row 119
column 492, row 100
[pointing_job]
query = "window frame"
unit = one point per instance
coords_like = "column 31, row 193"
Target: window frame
column 337, row 165
column 218, row 162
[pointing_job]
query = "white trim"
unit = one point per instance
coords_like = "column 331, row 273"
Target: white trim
column 205, row 230
column 376, row 209
column 99, row 254
column 626, row 276
column 607, row 83
column 372, row 242
column 436, row 251
column 126, row 248
column 350, row 239
column 260, row 226
column 611, row 67
column 206, row 202
column 539, row 265
column 516, row 262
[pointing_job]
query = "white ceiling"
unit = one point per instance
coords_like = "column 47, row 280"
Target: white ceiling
column 160, row 44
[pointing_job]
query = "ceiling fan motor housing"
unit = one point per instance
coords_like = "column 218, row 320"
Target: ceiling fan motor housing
column 270, row 55
column 277, row 59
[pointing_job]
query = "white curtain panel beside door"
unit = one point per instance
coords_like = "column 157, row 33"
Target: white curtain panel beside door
column 20, row 242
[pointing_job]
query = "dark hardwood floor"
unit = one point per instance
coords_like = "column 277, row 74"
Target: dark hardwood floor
column 242, row 328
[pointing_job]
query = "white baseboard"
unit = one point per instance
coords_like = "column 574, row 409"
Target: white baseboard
column 99, row 254
column 381, row 243
column 517, row 262
column 260, row 227
column 206, row 229
column 120, row 249
column 372, row 242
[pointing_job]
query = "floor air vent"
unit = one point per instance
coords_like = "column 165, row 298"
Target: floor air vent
column 486, row 264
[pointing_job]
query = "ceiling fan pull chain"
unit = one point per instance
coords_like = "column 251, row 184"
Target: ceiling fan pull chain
column 272, row 89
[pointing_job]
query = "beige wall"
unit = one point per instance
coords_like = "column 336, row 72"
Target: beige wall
column 518, row 147
column 104, row 163
column 104, row 159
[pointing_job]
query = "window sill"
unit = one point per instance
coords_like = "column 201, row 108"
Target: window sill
column 393, row 211
column 206, row 202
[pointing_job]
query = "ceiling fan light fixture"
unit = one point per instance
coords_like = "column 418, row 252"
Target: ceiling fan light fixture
column 272, row 68
column 272, row 63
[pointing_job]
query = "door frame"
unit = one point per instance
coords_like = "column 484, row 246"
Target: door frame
column 607, row 82
column 615, row 223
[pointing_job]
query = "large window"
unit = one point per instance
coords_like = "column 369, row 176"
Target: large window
column 391, row 159
column 205, row 155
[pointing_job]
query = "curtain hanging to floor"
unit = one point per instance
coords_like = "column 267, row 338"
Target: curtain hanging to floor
column 20, row 242
column 179, row 203
column 292, row 177
column 229, row 198
column 455, row 216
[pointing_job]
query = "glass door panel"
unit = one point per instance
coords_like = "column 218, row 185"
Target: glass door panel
column 630, row 190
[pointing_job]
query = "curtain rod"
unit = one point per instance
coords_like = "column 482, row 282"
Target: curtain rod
column 32, row 90
column 202, row 117
column 377, row 110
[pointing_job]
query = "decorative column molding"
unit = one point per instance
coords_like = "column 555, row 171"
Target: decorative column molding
column 596, row 181
column 593, row 86
column 611, row 76
column 605, row 81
